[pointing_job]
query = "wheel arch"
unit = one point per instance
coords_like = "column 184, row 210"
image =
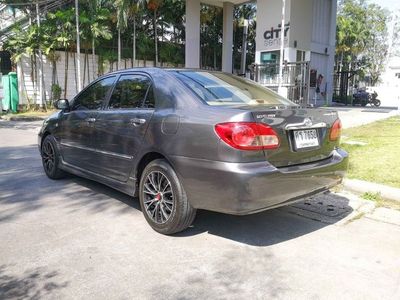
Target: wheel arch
column 143, row 162
column 44, row 135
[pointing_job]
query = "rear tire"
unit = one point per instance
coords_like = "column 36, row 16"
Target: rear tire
column 163, row 199
column 51, row 158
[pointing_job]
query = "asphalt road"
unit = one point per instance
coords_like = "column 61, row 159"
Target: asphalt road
column 76, row 239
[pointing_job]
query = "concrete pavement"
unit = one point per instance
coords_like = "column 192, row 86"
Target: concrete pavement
column 357, row 116
column 76, row 239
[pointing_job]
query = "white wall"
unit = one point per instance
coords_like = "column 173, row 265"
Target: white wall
column 312, row 27
column 27, row 88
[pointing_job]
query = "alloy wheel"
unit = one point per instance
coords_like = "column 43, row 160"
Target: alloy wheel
column 48, row 155
column 158, row 197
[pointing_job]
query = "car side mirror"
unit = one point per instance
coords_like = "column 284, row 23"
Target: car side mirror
column 62, row 104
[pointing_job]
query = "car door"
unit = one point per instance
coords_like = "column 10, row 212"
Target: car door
column 121, row 126
column 77, row 125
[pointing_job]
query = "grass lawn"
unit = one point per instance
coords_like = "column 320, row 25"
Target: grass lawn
column 29, row 114
column 374, row 151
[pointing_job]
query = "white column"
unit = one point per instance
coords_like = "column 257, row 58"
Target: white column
column 192, row 44
column 331, row 51
column 227, row 37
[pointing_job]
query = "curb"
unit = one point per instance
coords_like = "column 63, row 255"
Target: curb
column 22, row 118
column 361, row 186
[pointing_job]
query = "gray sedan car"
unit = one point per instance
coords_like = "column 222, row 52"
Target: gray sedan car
column 185, row 139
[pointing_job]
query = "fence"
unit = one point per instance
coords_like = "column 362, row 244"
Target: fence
column 295, row 79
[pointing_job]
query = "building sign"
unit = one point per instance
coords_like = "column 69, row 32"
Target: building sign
column 272, row 37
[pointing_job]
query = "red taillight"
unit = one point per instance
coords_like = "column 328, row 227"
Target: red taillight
column 248, row 135
column 336, row 130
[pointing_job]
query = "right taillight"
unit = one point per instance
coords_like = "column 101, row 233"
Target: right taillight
column 248, row 135
column 336, row 130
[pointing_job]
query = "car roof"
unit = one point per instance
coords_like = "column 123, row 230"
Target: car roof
column 152, row 70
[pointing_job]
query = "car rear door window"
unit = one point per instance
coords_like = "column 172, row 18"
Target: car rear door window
column 92, row 98
column 132, row 91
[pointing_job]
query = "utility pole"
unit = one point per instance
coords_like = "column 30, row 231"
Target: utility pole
column 42, row 101
column 78, row 46
column 280, row 91
column 244, row 47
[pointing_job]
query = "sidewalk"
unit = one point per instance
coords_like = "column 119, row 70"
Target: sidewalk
column 357, row 116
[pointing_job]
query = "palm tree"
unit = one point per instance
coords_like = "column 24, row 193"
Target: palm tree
column 65, row 38
column 154, row 5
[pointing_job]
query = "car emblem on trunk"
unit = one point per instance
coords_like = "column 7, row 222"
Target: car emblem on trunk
column 307, row 122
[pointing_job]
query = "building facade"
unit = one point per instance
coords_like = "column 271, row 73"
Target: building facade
column 309, row 42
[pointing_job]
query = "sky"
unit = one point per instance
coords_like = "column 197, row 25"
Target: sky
column 389, row 4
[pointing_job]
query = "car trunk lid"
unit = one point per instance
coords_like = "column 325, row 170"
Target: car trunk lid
column 303, row 134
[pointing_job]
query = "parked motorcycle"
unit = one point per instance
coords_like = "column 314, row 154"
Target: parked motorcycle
column 363, row 98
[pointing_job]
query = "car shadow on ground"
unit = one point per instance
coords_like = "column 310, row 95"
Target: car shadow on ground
column 25, row 188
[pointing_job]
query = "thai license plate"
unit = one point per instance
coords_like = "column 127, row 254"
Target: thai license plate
column 306, row 138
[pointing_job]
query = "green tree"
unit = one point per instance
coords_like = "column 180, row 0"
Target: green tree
column 361, row 38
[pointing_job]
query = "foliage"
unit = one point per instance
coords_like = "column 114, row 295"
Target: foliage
column 361, row 38
column 56, row 91
column 153, row 23
column 242, row 13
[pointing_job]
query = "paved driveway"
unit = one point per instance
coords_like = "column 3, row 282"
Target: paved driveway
column 76, row 239
column 357, row 116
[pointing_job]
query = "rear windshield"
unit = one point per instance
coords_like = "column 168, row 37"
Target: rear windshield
column 223, row 89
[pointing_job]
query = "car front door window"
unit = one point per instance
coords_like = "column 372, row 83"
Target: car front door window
column 93, row 97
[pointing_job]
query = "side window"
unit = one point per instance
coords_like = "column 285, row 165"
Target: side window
column 93, row 97
column 130, row 92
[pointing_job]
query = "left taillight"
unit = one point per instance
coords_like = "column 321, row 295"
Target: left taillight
column 248, row 135
column 336, row 130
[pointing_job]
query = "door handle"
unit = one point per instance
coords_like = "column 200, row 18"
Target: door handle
column 91, row 120
column 137, row 121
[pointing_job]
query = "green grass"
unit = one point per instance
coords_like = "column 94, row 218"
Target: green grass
column 376, row 197
column 31, row 113
column 378, row 160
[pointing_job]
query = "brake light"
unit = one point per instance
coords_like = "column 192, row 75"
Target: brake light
column 336, row 130
column 248, row 135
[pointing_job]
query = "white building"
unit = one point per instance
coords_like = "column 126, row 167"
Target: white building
column 309, row 36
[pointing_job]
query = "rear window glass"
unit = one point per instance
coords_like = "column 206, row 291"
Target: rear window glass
column 223, row 89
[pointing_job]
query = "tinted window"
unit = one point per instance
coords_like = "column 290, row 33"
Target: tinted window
column 94, row 95
column 222, row 89
column 131, row 91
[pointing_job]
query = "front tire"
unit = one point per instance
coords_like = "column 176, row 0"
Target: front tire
column 163, row 199
column 51, row 158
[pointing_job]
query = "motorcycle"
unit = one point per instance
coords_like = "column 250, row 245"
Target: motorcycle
column 363, row 98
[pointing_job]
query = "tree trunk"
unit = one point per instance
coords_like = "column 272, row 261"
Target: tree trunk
column 134, row 42
column 93, row 59
column 88, row 66
column 155, row 38
column 24, row 85
column 76, row 79
column 84, row 68
column 119, row 47
column 66, row 74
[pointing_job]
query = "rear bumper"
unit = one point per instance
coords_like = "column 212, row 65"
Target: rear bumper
column 245, row 188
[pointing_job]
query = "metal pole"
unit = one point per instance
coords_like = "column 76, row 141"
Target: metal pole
column 282, row 45
column 40, row 60
column 244, row 47
column 78, row 46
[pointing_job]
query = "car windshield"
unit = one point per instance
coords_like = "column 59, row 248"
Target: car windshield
column 223, row 89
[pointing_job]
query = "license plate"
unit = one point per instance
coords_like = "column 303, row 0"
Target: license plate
column 306, row 138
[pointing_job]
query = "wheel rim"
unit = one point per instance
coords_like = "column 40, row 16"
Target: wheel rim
column 48, row 155
column 158, row 197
